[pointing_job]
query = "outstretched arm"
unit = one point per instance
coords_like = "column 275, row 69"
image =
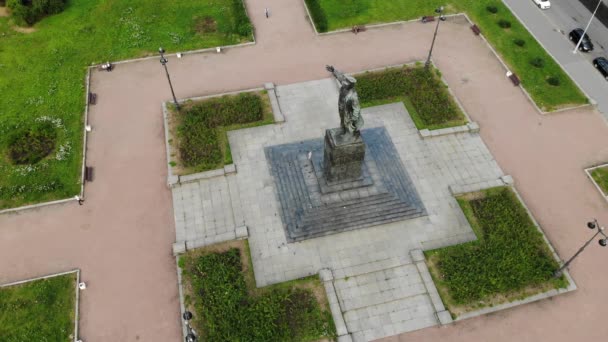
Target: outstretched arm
column 337, row 74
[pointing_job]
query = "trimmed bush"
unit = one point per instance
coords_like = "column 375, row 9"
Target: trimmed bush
column 537, row 62
column 553, row 80
column 198, row 138
column 242, row 25
column 33, row 143
column 519, row 42
column 31, row 11
column 492, row 9
column 509, row 255
column 229, row 313
column 505, row 24
column 426, row 92
column 318, row 15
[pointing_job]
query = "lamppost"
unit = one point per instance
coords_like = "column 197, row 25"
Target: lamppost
column 587, row 27
column 439, row 10
column 603, row 242
column 190, row 336
column 164, row 61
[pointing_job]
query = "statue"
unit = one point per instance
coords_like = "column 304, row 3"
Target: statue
column 348, row 103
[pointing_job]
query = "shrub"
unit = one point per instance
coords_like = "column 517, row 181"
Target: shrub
column 32, row 144
column 505, row 24
column 519, row 42
column 30, row 11
column 426, row 91
column 537, row 62
column 242, row 25
column 198, row 138
column 492, row 9
column 318, row 15
column 509, row 255
column 553, row 80
column 228, row 313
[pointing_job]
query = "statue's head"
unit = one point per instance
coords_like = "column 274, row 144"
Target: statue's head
column 350, row 81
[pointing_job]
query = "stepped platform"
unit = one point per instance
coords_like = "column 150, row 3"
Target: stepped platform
column 311, row 208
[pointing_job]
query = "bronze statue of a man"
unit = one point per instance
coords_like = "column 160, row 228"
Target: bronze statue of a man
column 348, row 103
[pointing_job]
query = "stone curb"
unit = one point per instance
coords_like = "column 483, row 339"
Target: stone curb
column 471, row 127
column 327, row 278
column 76, row 302
column 442, row 314
column 458, row 189
column 274, row 103
column 182, row 306
column 239, row 233
column 588, row 172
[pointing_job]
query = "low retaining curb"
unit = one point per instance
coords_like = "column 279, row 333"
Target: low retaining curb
column 239, row 233
column 442, row 314
column 327, row 278
column 588, row 172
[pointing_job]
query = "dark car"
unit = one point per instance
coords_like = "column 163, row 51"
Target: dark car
column 601, row 64
column 575, row 36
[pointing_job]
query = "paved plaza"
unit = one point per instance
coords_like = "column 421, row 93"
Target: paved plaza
column 380, row 291
column 121, row 238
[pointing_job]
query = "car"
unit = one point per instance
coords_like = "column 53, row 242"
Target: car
column 543, row 4
column 576, row 34
column 601, row 64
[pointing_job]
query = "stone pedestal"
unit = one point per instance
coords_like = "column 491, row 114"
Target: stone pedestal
column 343, row 156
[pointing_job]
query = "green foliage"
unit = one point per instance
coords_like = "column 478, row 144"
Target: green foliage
column 600, row 176
column 509, row 255
column 42, row 310
column 519, row 42
column 229, row 313
column 43, row 72
column 425, row 91
column 533, row 79
column 318, row 15
column 32, row 143
column 492, row 9
column 537, row 62
column 242, row 25
column 553, row 80
column 30, row 11
column 505, row 24
column 198, row 138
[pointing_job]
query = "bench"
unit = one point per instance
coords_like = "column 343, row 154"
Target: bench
column 428, row 18
column 358, row 28
column 88, row 174
column 92, row 98
column 475, row 30
column 513, row 78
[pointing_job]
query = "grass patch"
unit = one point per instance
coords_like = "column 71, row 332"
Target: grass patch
column 201, row 128
column 344, row 14
column 425, row 96
column 509, row 261
column 600, row 176
column 43, row 73
column 220, row 290
column 41, row 310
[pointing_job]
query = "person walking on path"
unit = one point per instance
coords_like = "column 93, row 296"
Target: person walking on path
column 267, row 12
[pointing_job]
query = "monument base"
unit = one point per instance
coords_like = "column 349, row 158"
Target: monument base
column 343, row 156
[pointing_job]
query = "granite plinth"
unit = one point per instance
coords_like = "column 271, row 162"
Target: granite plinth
column 343, row 156
column 309, row 208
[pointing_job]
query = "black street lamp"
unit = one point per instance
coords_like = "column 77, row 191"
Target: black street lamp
column 439, row 10
column 164, row 61
column 603, row 242
column 191, row 335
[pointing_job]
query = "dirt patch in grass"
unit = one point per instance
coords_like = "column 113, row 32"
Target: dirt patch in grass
column 22, row 29
column 205, row 25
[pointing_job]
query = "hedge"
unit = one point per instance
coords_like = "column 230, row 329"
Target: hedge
column 30, row 11
column 242, row 25
column 317, row 14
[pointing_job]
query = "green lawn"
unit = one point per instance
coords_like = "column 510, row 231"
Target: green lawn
column 344, row 14
column 600, row 176
column 41, row 310
column 220, row 290
column 510, row 260
column 43, row 74
column 200, row 130
column 425, row 96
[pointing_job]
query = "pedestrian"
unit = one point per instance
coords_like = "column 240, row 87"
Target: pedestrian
column 79, row 199
column 267, row 12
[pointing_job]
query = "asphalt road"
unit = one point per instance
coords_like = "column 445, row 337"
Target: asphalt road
column 551, row 28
